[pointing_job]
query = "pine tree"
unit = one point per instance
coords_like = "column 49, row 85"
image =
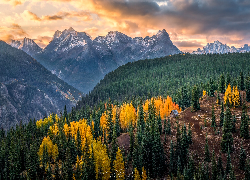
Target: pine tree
column 232, row 175
column 247, row 88
column 214, row 167
column 213, row 124
column 220, row 168
column 222, row 115
column 241, row 82
column 195, row 104
column 228, row 166
column 227, row 137
column 234, row 124
column 218, row 99
column 222, row 84
column 172, row 166
column 244, row 129
column 242, row 158
column 247, row 170
column 159, row 124
column 207, row 153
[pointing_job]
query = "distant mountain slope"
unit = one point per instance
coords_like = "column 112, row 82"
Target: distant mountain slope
column 27, row 45
column 166, row 76
column 82, row 62
column 28, row 90
column 219, row 48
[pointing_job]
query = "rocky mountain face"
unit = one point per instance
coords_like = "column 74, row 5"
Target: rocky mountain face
column 82, row 61
column 28, row 90
column 27, row 45
column 219, row 48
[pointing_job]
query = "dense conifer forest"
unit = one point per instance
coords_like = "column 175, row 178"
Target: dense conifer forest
column 135, row 134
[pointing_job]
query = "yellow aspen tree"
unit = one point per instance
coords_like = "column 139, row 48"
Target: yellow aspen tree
column 136, row 174
column 102, row 161
column 119, row 166
column 54, row 129
column 127, row 115
column 52, row 149
column 228, row 95
column 144, row 174
column 204, row 93
column 235, row 96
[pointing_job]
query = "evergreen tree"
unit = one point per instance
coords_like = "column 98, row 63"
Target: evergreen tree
column 214, row 167
column 247, row 170
column 195, row 104
column 227, row 137
column 222, row 115
column 244, row 129
column 228, row 166
column 241, row 82
column 211, row 87
column 213, row 124
column 218, row 99
column 247, row 88
column 207, row 153
column 242, row 158
column 222, row 84
column 159, row 124
column 234, row 124
column 220, row 168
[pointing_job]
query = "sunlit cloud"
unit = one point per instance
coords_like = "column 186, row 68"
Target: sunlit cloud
column 11, row 32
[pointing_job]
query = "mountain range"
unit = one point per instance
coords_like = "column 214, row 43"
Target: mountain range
column 219, row 48
column 82, row 61
column 28, row 90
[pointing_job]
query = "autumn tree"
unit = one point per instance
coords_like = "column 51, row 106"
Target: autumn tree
column 119, row 166
column 228, row 96
column 235, row 97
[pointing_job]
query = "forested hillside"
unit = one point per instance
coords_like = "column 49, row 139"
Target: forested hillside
column 172, row 75
column 28, row 90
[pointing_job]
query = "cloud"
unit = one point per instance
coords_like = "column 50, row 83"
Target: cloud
column 83, row 15
column 43, row 41
column 187, row 44
column 13, row 2
column 12, row 32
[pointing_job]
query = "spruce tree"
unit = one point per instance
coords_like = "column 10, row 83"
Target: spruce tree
column 228, row 166
column 213, row 124
column 227, row 137
column 195, row 104
column 222, row 84
column 222, row 115
column 214, row 167
column 207, row 153
column 241, row 82
column 244, row 129
column 234, row 124
column 247, row 170
column 248, row 88
column 242, row 158
column 220, row 168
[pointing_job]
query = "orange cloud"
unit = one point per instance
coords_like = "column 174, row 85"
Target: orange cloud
column 85, row 16
column 13, row 32
column 43, row 41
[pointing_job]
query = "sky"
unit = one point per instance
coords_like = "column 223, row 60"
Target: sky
column 191, row 24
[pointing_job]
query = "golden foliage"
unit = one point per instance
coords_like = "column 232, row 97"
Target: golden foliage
column 236, row 97
column 204, row 93
column 102, row 161
column 127, row 115
column 144, row 174
column 136, row 174
column 228, row 95
column 119, row 166
column 51, row 148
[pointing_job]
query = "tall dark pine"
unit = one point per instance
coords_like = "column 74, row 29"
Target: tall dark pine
column 222, row 115
column 213, row 124
column 195, row 104
column 242, row 158
column 244, row 129
column 241, row 84
column 248, row 88
column 222, row 84
column 207, row 153
column 227, row 137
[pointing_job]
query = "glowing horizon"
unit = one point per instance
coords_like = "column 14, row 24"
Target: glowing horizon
column 190, row 24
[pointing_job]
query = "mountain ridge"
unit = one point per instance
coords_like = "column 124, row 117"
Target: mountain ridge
column 28, row 90
column 82, row 61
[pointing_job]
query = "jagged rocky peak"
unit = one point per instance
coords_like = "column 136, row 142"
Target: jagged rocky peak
column 216, row 48
column 57, row 34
